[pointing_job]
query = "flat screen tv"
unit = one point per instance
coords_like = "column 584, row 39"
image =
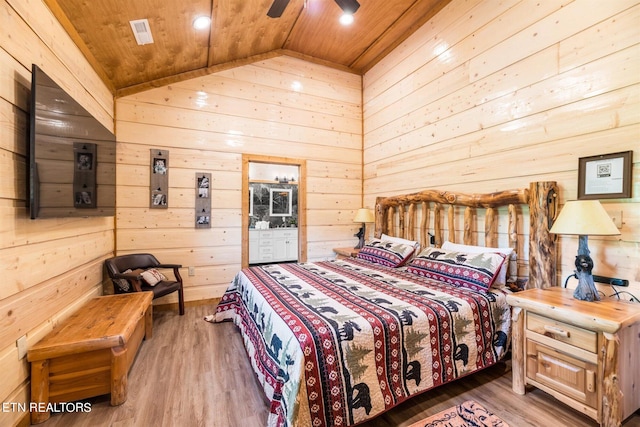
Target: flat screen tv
column 72, row 156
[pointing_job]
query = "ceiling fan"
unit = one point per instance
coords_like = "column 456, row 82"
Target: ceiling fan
column 278, row 7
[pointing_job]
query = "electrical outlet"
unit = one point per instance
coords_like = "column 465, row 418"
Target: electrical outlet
column 192, row 271
column 21, row 343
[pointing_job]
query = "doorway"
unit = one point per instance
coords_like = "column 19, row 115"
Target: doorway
column 268, row 204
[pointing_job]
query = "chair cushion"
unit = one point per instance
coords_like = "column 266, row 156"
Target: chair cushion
column 162, row 288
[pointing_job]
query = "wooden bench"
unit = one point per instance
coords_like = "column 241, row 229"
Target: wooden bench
column 90, row 353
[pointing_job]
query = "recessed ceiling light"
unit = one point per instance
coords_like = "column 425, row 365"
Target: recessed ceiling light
column 201, row 22
column 346, row 19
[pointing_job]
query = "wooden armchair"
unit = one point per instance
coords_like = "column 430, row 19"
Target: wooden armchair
column 125, row 272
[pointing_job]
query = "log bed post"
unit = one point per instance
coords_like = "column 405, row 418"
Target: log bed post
column 543, row 202
column 467, row 238
column 437, row 224
column 424, row 223
column 411, row 222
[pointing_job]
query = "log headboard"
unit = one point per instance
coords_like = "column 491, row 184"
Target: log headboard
column 414, row 216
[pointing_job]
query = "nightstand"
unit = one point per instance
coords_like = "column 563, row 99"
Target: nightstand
column 585, row 354
column 346, row 252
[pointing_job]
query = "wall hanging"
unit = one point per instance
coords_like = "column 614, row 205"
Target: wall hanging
column 84, row 175
column 159, row 182
column 203, row 200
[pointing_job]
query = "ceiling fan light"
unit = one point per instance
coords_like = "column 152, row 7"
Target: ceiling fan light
column 201, row 22
column 346, row 19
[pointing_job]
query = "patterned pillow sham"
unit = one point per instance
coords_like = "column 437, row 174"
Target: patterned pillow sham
column 386, row 253
column 508, row 271
column 393, row 239
column 476, row 271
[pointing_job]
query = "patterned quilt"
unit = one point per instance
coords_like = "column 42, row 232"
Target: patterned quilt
column 335, row 343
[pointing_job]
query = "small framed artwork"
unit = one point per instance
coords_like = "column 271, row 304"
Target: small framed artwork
column 158, row 199
column 203, row 186
column 606, row 176
column 159, row 166
column 280, row 203
column 84, row 161
column 203, row 220
column 84, row 199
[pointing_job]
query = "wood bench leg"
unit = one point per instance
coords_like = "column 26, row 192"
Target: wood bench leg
column 148, row 323
column 118, row 375
column 517, row 350
column 39, row 390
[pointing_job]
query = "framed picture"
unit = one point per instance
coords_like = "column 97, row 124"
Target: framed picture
column 203, row 186
column 158, row 199
column 280, row 203
column 84, row 161
column 606, row 176
column 84, row 199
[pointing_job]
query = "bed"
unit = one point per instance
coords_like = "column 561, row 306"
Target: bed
column 338, row 342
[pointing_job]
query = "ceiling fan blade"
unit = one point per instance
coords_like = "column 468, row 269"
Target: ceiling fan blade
column 276, row 9
column 348, row 6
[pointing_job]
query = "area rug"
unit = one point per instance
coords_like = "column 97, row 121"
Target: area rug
column 467, row 414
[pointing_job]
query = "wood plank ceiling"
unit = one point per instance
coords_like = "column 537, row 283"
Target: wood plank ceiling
column 241, row 32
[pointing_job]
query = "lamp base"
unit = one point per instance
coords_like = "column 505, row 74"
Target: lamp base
column 586, row 289
column 360, row 235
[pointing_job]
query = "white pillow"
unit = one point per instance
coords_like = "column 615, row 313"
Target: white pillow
column 511, row 267
column 152, row 276
column 400, row 240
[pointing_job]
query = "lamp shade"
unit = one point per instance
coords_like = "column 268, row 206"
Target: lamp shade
column 584, row 218
column 364, row 215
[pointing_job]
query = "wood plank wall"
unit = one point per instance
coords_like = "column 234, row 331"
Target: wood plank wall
column 485, row 96
column 282, row 107
column 49, row 267
column 489, row 96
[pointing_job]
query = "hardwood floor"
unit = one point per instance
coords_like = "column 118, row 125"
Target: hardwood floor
column 194, row 373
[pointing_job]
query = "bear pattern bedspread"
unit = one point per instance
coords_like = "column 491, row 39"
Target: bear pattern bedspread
column 337, row 342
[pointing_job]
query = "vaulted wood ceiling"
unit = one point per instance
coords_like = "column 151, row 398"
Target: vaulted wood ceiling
column 240, row 32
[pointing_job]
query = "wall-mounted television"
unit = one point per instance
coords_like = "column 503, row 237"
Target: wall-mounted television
column 72, row 156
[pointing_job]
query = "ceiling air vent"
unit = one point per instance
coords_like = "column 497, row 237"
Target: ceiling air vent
column 141, row 31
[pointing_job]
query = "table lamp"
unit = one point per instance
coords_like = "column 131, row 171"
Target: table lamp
column 584, row 218
column 363, row 215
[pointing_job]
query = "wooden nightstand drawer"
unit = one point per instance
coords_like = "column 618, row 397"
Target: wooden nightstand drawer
column 561, row 331
column 570, row 376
